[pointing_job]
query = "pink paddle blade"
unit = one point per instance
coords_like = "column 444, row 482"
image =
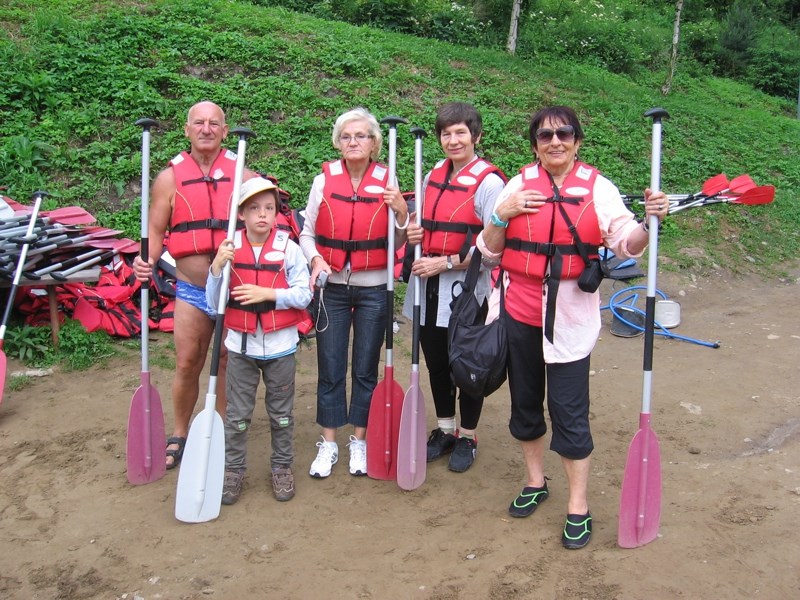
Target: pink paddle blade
column 383, row 428
column 640, row 503
column 146, row 450
column 412, row 446
column 3, row 367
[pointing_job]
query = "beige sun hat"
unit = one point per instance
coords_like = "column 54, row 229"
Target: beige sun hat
column 254, row 186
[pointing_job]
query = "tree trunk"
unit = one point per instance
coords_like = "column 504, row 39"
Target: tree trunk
column 511, row 44
column 676, row 34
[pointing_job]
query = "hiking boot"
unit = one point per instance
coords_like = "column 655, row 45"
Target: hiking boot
column 577, row 531
column 463, row 454
column 232, row 487
column 282, row 483
column 358, row 456
column 327, row 455
column 440, row 443
column 528, row 501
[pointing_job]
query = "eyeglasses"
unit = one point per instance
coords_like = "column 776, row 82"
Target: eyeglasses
column 565, row 133
column 359, row 138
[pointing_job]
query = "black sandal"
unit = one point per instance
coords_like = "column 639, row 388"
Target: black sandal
column 176, row 455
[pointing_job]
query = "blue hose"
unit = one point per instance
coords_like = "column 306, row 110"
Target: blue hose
column 629, row 301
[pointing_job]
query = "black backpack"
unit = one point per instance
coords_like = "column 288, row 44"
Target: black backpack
column 477, row 352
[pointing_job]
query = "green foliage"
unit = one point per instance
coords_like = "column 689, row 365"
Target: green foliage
column 31, row 345
column 80, row 349
column 78, row 73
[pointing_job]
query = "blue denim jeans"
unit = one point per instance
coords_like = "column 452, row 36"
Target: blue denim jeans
column 364, row 310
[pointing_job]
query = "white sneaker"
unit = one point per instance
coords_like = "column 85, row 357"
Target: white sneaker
column 358, row 456
column 327, row 456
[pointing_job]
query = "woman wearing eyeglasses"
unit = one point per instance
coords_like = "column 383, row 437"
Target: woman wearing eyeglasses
column 546, row 230
column 345, row 237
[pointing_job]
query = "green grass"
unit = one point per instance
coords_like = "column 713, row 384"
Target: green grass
column 78, row 73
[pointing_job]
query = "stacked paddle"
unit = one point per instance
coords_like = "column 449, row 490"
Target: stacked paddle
column 716, row 190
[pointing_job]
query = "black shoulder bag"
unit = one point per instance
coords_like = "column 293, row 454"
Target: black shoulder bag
column 477, row 352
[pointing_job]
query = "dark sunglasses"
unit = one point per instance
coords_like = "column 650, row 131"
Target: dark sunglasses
column 565, row 133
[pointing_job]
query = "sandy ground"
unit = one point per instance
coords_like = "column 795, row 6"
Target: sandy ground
column 727, row 419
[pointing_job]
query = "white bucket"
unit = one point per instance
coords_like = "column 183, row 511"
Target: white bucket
column 668, row 313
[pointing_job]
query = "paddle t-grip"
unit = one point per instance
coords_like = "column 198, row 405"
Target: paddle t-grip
column 393, row 120
column 146, row 123
column 244, row 133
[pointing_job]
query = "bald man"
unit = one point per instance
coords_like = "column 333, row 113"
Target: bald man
column 191, row 200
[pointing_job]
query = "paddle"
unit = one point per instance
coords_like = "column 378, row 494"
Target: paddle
column 383, row 422
column 738, row 185
column 640, row 502
column 199, row 494
column 411, row 445
column 68, row 215
column 146, row 451
column 762, row 194
column 124, row 245
column 101, row 247
column 37, row 202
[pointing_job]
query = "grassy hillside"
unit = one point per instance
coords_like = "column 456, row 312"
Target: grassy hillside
column 78, row 73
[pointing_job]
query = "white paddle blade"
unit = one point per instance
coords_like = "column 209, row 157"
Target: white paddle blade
column 202, row 470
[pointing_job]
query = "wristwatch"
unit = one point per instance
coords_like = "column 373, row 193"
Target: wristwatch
column 449, row 263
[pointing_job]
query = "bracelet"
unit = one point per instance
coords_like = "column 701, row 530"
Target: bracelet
column 497, row 221
column 403, row 227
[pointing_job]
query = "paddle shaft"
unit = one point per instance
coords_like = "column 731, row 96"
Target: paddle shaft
column 192, row 487
column 37, row 203
column 389, row 369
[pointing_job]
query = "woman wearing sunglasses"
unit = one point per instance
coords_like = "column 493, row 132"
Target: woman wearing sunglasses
column 546, row 230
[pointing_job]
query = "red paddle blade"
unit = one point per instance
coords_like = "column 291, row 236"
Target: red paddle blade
column 383, row 432
column 70, row 215
column 412, row 447
column 741, row 184
column 763, row 194
column 715, row 185
column 146, row 451
column 3, row 367
column 640, row 503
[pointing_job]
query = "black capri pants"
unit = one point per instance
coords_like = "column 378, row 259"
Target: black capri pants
column 567, row 386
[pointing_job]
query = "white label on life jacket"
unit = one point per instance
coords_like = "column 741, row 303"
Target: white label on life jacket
column 280, row 241
column 374, row 189
column 379, row 172
column 466, row 180
column 532, row 172
column 336, row 168
column 577, row 191
column 583, row 173
column 479, row 167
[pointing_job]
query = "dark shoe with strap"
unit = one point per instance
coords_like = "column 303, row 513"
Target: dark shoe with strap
column 528, row 501
column 439, row 444
column 176, row 454
column 577, row 531
column 463, row 455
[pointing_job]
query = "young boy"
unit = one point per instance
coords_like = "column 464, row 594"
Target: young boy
column 268, row 292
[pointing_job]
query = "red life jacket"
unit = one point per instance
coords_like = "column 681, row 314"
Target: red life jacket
column 199, row 220
column 534, row 240
column 270, row 272
column 448, row 216
column 353, row 224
